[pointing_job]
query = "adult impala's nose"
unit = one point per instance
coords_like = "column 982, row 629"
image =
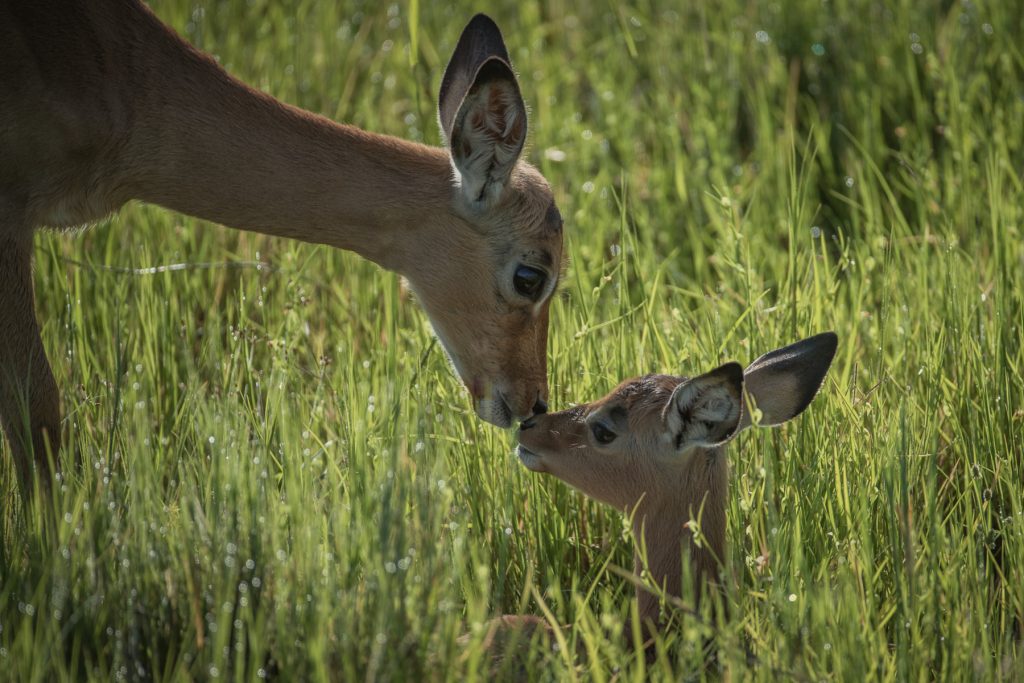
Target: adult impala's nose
column 540, row 407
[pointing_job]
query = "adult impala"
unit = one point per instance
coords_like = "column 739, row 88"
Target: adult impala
column 101, row 103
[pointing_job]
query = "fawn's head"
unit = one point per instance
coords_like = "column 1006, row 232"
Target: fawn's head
column 488, row 302
column 633, row 442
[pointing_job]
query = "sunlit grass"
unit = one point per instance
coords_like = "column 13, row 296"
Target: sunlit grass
column 280, row 476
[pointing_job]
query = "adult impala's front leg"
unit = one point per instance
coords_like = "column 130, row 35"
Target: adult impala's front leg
column 29, row 402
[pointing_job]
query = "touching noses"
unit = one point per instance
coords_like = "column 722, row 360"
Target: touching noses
column 539, row 408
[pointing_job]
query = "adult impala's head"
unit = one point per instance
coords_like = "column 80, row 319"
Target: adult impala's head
column 638, row 441
column 488, row 294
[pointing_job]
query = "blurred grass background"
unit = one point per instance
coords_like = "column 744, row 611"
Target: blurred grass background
column 281, row 478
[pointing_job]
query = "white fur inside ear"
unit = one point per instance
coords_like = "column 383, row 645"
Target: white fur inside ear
column 716, row 406
column 488, row 135
column 702, row 414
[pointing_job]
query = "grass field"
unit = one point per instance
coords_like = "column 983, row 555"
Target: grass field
column 281, row 477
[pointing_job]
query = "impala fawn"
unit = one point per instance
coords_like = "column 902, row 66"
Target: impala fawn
column 654, row 448
column 101, row 103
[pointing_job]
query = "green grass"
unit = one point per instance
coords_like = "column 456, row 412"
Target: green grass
column 280, row 474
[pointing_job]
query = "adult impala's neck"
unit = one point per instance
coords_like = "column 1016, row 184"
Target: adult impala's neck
column 662, row 522
column 209, row 146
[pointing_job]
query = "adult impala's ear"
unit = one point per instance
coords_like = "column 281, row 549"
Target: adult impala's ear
column 481, row 112
column 782, row 383
column 706, row 410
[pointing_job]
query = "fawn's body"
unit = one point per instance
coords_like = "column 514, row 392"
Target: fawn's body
column 101, row 103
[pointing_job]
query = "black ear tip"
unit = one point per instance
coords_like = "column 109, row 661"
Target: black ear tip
column 824, row 347
column 826, row 343
column 731, row 372
column 734, row 371
column 483, row 23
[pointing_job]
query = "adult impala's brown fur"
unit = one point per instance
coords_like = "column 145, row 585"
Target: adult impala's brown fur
column 101, row 103
column 653, row 448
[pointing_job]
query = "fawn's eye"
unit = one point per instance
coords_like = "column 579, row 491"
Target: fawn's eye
column 529, row 282
column 602, row 434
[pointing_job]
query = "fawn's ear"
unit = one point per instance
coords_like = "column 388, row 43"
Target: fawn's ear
column 481, row 112
column 782, row 383
column 705, row 410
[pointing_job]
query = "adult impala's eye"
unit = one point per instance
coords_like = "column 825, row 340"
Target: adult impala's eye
column 602, row 434
column 529, row 282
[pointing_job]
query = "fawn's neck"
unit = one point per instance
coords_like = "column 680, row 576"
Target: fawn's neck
column 691, row 516
column 205, row 144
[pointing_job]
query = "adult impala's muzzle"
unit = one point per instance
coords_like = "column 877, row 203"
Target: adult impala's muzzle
column 494, row 406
